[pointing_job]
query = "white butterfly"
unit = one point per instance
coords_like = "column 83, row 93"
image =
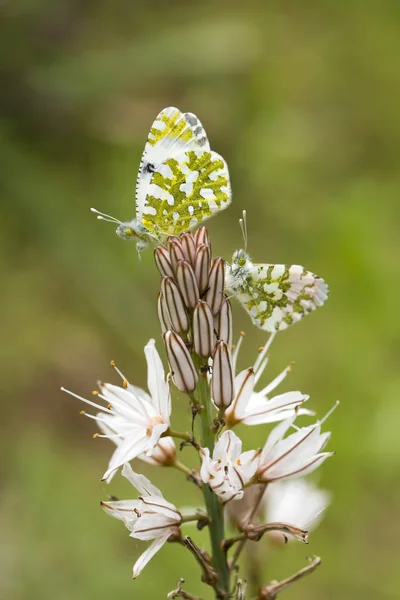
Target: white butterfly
column 181, row 181
column 275, row 296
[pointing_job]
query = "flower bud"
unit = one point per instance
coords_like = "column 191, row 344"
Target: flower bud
column 215, row 292
column 224, row 322
column 163, row 315
column 175, row 251
column 222, row 386
column 189, row 247
column 187, row 283
column 175, row 306
column 203, row 330
column 182, row 368
column 163, row 261
column 201, row 237
column 163, row 455
column 202, row 267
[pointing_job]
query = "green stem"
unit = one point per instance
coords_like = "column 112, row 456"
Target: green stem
column 214, row 507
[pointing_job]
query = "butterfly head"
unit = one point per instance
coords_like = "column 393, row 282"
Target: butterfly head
column 239, row 269
column 128, row 230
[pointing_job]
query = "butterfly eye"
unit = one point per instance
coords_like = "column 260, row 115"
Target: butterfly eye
column 149, row 168
column 242, row 261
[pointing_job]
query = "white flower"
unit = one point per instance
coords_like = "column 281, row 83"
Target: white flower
column 254, row 408
column 299, row 503
column 296, row 455
column 132, row 418
column 229, row 469
column 150, row 517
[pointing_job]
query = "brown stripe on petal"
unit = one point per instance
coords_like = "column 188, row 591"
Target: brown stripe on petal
column 203, row 330
column 182, row 368
column 224, row 322
column 202, row 267
column 176, row 251
column 222, row 386
column 163, row 315
column 163, row 261
column 187, row 283
column 201, row 237
column 175, row 305
column 189, row 247
column 216, row 282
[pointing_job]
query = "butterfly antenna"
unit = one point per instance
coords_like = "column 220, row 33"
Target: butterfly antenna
column 243, row 227
column 105, row 217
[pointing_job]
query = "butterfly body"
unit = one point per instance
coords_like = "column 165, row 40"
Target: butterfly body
column 275, row 296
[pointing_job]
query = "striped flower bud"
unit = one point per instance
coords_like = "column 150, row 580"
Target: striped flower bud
column 189, row 247
column 223, row 322
column 175, row 306
column 163, row 315
column 187, row 283
column 222, row 386
column 203, row 330
column 182, row 368
column 163, row 261
column 175, row 251
column 215, row 292
column 201, row 237
column 202, row 267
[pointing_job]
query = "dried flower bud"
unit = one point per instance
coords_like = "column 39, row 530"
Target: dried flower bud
column 163, row 261
column 224, row 322
column 215, row 292
column 176, row 251
column 163, row 455
column 203, row 330
column 189, row 247
column 163, row 315
column 222, row 386
column 202, row 267
column 187, row 283
column 175, row 306
column 201, row 237
column 182, row 368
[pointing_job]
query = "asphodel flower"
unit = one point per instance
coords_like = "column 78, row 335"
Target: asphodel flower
column 254, row 408
column 229, row 469
column 296, row 455
column 150, row 517
column 298, row 502
column 132, row 418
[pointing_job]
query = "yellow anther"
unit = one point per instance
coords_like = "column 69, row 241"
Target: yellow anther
column 242, row 333
column 261, row 348
column 125, row 383
column 95, row 393
column 112, row 363
column 95, row 435
column 82, row 412
column 109, row 406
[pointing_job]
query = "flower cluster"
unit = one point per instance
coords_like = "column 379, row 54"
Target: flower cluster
column 196, row 321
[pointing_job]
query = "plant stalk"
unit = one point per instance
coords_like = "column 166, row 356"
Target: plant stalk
column 214, row 507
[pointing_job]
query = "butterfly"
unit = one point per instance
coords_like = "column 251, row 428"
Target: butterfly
column 275, row 296
column 181, row 181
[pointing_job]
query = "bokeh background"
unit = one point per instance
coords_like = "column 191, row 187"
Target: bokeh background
column 302, row 99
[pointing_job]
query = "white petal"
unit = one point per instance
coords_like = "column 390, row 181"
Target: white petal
column 306, row 467
column 244, row 386
column 229, row 446
column 260, row 410
column 128, row 450
column 205, row 470
column 158, row 388
column 124, row 510
column 151, row 526
column 148, row 554
column 276, row 434
column 140, row 482
column 158, row 504
column 126, row 404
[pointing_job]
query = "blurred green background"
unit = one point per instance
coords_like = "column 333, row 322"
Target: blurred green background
column 302, row 99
